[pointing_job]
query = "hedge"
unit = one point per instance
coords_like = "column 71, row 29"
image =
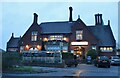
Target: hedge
column 10, row 58
column 92, row 53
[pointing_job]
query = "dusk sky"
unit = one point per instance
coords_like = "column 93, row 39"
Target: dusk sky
column 17, row 17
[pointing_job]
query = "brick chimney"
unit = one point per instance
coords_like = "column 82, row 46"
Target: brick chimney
column 98, row 19
column 35, row 18
column 70, row 18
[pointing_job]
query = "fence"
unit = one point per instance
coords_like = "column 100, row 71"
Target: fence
column 43, row 56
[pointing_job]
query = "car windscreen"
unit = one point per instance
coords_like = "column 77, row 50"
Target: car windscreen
column 104, row 58
column 116, row 57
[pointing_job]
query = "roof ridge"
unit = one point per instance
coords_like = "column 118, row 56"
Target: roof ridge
column 57, row 22
column 16, row 37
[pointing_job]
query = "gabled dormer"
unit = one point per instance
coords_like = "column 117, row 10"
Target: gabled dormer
column 80, row 32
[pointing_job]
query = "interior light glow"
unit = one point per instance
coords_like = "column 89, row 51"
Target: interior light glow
column 45, row 39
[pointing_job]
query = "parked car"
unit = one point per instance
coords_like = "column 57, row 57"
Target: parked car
column 115, row 60
column 102, row 61
column 88, row 60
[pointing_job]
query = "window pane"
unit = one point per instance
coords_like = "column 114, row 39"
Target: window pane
column 79, row 34
column 55, row 37
column 106, row 49
column 94, row 47
column 34, row 36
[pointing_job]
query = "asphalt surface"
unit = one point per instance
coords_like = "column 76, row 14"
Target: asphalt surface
column 81, row 71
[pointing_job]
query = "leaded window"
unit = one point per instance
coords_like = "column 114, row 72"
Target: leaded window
column 34, row 36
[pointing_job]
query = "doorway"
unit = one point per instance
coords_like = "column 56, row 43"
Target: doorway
column 79, row 52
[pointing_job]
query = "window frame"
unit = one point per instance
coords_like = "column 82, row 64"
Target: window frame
column 34, row 35
column 79, row 34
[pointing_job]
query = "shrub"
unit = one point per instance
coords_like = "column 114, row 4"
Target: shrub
column 67, row 55
column 92, row 53
column 10, row 58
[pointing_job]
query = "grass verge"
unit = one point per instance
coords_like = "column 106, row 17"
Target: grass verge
column 27, row 70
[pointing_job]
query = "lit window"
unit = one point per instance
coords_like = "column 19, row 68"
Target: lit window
column 101, row 48
column 106, row 49
column 34, row 36
column 56, row 37
column 94, row 47
column 111, row 48
column 79, row 34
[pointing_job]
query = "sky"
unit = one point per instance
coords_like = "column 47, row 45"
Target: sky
column 17, row 17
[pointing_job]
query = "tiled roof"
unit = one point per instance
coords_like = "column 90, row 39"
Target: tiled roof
column 104, row 34
column 13, row 42
column 56, row 27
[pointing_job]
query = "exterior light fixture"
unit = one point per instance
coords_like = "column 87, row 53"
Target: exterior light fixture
column 65, row 38
column 39, row 47
column 27, row 46
column 80, row 53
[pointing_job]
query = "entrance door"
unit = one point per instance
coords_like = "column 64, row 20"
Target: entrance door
column 79, row 51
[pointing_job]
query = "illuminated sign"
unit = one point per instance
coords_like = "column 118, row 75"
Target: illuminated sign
column 79, row 43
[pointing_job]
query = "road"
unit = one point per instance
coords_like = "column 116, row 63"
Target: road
column 82, row 70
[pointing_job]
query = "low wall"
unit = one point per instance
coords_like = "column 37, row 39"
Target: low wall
column 43, row 58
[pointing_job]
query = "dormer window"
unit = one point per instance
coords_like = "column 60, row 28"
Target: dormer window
column 79, row 34
column 34, row 36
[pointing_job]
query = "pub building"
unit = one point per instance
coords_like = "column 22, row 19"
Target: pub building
column 66, row 36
